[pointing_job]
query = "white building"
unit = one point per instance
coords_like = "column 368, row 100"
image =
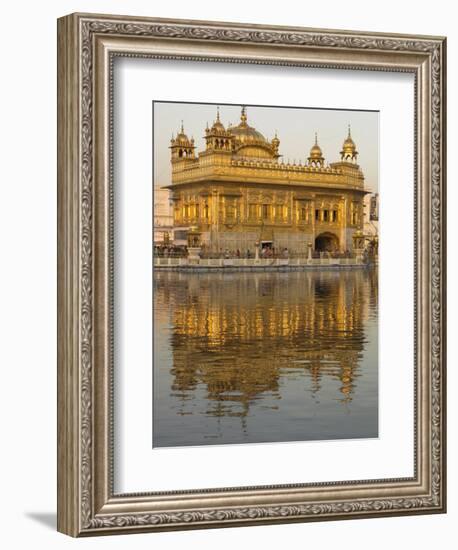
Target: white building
column 163, row 215
column 371, row 207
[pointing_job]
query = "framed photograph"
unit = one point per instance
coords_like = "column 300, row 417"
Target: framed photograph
column 251, row 284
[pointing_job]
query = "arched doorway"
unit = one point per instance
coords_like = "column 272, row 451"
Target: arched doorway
column 327, row 242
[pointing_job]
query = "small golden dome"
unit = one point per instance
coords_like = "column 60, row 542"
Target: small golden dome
column 182, row 138
column 315, row 151
column 218, row 126
column 316, row 154
column 349, row 144
column 349, row 147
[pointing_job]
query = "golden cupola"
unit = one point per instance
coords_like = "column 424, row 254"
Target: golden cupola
column 349, row 152
column 182, row 146
column 218, row 126
column 276, row 145
column 217, row 137
column 248, row 142
column 316, row 155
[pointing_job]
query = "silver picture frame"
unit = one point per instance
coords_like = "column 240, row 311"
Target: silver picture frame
column 87, row 46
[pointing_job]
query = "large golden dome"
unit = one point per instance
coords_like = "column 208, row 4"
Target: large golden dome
column 246, row 134
column 248, row 142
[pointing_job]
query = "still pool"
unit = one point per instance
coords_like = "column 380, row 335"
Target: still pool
column 264, row 356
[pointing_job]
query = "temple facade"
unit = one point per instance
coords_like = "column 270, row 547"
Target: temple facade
column 238, row 194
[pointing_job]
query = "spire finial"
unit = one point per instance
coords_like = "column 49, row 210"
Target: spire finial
column 217, row 113
column 182, row 127
column 243, row 116
column 275, row 140
column 316, row 138
column 349, row 130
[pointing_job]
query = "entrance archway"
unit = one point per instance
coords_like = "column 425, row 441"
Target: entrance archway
column 326, row 242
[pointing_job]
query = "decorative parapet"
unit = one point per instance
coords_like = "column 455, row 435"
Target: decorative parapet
column 273, row 173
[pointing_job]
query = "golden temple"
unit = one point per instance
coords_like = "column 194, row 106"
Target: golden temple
column 238, row 194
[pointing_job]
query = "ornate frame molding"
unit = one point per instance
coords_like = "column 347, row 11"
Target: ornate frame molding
column 87, row 45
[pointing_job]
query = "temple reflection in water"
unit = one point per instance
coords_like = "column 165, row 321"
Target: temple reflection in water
column 257, row 357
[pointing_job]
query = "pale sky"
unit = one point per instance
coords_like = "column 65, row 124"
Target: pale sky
column 295, row 127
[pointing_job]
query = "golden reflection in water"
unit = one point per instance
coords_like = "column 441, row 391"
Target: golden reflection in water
column 237, row 334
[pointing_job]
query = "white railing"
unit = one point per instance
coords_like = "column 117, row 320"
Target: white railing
column 252, row 262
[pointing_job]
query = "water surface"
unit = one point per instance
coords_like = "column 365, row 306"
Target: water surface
column 264, row 357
